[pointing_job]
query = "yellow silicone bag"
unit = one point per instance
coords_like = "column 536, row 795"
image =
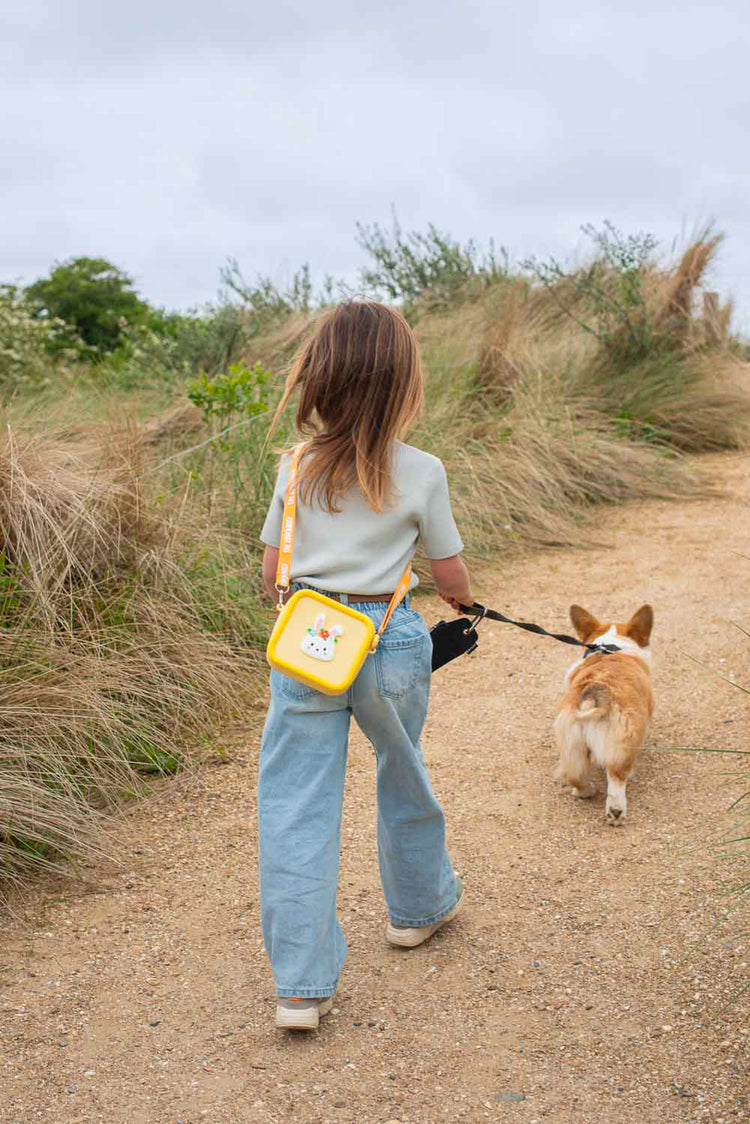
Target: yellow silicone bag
column 316, row 640
column 319, row 642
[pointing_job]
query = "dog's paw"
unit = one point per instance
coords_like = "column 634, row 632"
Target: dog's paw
column 614, row 814
column 583, row 791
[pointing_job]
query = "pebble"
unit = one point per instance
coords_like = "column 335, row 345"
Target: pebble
column 510, row 1098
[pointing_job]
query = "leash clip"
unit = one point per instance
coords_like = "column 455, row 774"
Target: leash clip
column 480, row 613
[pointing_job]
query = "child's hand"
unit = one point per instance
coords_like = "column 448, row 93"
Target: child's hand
column 454, row 604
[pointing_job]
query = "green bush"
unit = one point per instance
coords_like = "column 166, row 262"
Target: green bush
column 94, row 298
column 207, row 340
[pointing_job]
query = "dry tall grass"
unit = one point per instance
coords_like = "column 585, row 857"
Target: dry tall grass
column 106, row 671
column 538, row 421
column 682, row 386
column 533, row 481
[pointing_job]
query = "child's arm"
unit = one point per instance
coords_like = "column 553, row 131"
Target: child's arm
column 270, row 562
column 452, row 580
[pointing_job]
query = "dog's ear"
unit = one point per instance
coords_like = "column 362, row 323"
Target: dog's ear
column 583, row 622
column 639, row 626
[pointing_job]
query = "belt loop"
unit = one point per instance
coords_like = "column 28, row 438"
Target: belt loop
column 344, row 598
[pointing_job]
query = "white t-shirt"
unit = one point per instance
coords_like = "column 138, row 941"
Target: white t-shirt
column 358, row 550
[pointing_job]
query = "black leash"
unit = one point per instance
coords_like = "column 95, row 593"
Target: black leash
column 479, row 613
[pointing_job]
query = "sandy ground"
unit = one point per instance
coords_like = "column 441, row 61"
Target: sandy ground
column 561, row 994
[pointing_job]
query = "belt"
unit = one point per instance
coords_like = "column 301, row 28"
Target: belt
column 368, row 596
column 354, row 596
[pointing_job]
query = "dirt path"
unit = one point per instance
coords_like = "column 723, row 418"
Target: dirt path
column 560, row 995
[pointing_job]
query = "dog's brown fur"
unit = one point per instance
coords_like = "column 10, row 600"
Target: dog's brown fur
column 604, row 713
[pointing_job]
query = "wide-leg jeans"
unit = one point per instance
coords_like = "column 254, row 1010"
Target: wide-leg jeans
column 300, row 799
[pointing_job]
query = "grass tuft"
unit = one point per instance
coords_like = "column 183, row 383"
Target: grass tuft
column 111, row 665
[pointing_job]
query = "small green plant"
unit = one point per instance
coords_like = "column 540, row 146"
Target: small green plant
column 634, row 428
column 10, row 589
column 145, row 757
column 227, row 403
column 242, row 392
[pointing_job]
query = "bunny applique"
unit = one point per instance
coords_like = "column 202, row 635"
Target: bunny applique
column 320, row 642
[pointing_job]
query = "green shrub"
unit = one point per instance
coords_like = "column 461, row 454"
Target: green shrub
column 240, row 393
column 407, row 266
column 606, row 298
column 174, row 344
column 94, row 298
column 263, row 299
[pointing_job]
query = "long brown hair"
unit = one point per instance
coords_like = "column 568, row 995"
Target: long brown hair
column 360, row 383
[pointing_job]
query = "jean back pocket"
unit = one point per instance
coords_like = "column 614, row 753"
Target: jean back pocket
column 400, row 662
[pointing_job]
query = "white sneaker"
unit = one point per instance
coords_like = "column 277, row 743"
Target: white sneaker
column 404, row 937
column 301, row 1014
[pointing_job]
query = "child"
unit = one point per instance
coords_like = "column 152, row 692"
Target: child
column 364, row 500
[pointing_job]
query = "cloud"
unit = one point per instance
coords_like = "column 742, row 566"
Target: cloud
column 168, row 136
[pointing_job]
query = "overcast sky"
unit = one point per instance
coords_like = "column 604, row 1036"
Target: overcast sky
column 168, row 136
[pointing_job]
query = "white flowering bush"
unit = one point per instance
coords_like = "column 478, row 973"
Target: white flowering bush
column 25, row 342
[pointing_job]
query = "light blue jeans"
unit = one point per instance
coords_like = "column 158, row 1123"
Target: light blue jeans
column 300, row 798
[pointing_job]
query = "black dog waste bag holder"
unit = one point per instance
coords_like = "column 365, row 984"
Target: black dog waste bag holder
column 451, row 639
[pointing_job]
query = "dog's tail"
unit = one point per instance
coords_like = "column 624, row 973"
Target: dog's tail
column 595, row 702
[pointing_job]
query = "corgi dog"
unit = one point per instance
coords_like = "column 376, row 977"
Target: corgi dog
column 605, row 710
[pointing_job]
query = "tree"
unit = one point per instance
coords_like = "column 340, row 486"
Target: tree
column 93, row 297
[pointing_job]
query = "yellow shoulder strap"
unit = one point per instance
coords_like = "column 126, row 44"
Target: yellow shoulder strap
column 400, row 593
column 289, row 519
